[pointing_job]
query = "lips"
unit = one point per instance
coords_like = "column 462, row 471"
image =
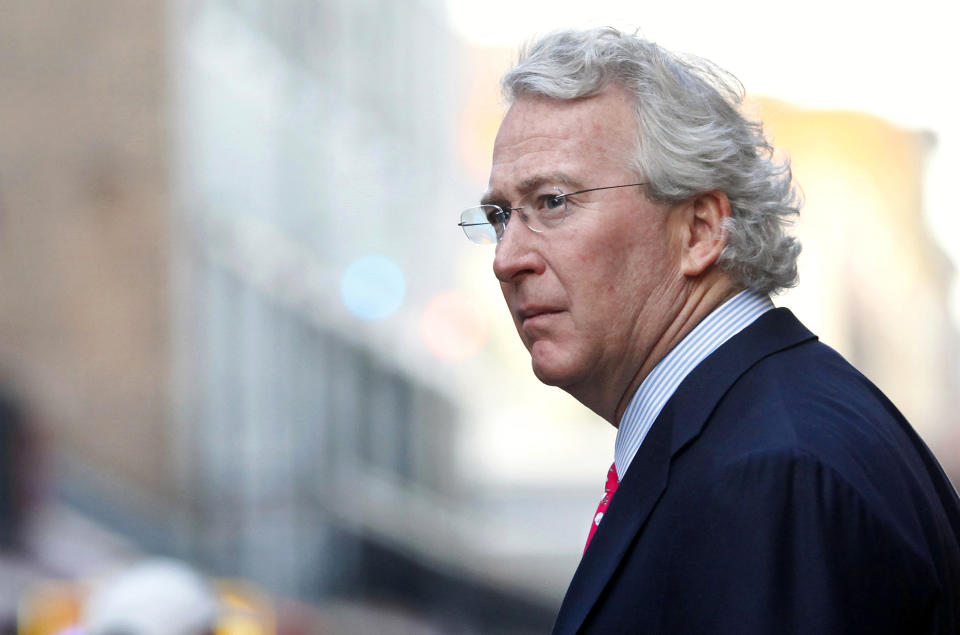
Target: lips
column 533, row 313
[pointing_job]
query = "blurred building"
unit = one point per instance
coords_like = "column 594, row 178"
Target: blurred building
column 289, row 120
column 84, row 251
column 183, row 186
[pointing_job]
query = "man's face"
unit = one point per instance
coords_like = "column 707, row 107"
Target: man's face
column 589, row 297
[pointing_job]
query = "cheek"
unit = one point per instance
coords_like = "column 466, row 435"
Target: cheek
column 617, row 266
column 508, row 298
column 629, row 274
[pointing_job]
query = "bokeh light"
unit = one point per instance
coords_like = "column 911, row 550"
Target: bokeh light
column 452, row 326
column 373, row 287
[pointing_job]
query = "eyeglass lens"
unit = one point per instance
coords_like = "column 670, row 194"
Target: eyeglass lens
column 485, row 224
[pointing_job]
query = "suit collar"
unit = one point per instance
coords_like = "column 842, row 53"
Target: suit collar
column 678, row 424
column 655, row 391
column 697, row 396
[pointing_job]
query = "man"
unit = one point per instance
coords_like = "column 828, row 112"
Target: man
column 760, row 483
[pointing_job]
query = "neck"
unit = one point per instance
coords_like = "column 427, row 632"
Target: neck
column 699, row 301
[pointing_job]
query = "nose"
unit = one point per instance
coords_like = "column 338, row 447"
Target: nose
column 517, row 252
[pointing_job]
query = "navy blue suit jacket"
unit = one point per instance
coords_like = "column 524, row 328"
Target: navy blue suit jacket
column 779, row 492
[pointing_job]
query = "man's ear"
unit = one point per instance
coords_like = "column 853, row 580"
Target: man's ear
column 704, row 232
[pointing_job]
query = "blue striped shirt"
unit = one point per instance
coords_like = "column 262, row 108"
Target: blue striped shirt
column 724, row 322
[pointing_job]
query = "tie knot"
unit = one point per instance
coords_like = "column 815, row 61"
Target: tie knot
column 610, row 488
column 612, row 480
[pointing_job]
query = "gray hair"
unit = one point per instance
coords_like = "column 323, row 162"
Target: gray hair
column 692, row 138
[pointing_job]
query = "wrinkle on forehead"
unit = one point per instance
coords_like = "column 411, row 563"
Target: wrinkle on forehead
column 543, row 136
column 531, row 184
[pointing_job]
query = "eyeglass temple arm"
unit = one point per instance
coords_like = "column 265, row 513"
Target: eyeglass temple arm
column 607, row 187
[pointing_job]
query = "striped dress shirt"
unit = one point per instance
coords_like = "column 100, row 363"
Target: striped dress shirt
column 724, row 322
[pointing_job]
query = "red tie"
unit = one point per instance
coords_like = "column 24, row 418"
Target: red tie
column 608, row 490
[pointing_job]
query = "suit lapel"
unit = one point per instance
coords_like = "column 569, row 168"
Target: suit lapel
column 642, row 485
column 678, row 424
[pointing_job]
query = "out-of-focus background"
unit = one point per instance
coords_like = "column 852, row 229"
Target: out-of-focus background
column 240, row 328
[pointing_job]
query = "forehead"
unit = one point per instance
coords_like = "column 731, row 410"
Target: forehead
column 580, row 139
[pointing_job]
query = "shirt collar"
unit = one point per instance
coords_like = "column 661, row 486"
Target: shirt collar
column 721, row 324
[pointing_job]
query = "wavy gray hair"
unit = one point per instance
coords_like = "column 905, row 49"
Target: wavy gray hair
column 692, row 138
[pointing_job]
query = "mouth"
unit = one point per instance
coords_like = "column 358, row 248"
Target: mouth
column 532, row 315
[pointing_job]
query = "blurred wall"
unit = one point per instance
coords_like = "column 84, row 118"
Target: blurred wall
column 83, row 229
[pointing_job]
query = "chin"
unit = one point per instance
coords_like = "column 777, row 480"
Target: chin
column 553, row 370
column 546, row 377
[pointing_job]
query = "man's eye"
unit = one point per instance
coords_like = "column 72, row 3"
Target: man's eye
column 553, row 202
column 495, row 215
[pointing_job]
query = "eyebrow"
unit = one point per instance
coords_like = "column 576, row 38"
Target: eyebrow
column 530, row 184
